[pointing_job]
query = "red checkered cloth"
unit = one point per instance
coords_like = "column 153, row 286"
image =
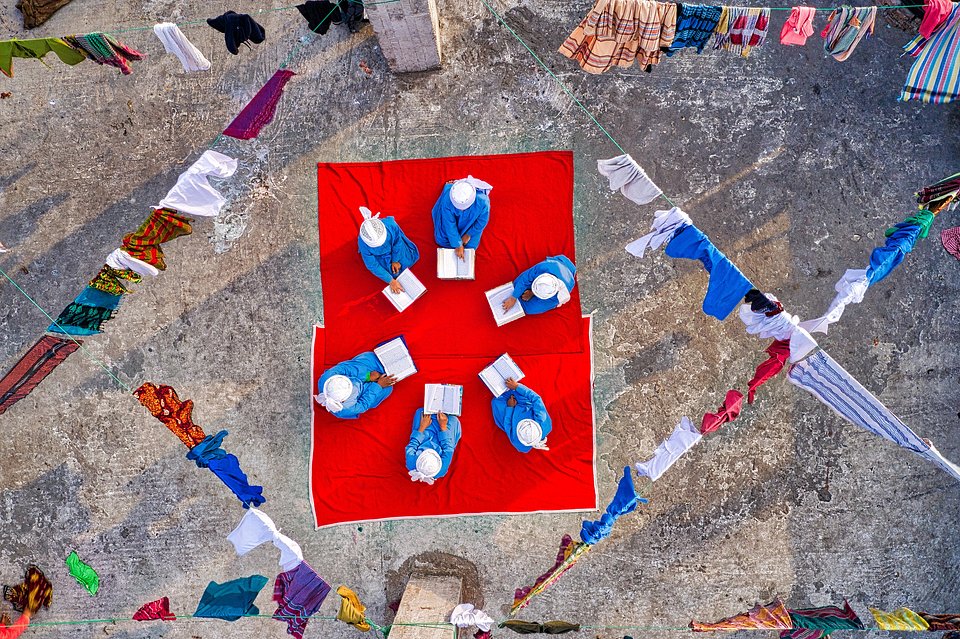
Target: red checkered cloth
column 163, row 225
column 951, row 241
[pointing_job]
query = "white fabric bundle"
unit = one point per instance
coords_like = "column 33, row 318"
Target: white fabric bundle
column 630, row 178
column 850, row 290
column 121, row 260
column 428, row 466
column 193, row 194
column 682, row 439
column 782, row 326
column 665, row 225
column 176, row 43
column 257, row 528
column 465, row 616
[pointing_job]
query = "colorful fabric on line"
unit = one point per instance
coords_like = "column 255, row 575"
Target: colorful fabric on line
column 37, row 49
column 83, row 573
column 779, row 351
column 943, row 189
column 773, row 616
column 95, row 297
column 828, row 618
column 899, row 619
column 934, row 13
column 740, row 29
column 950, row 238
column 110, row 280
column 846, row 27
column 159, row 609
column 105, row 49
column 941, row 622
column 44, row 356
column 922, row 218
column 164, row 404
column 729, row 411
column 162, row 225
column 695, row 25
column 569, row 553
column 300, row 593
column 798, row 27
column 885, row 258
column 30, row 594
column 624, row 501
column 260, row 110
column 80, row 319
column 231, row 600
column 934, row 76
column 208, row 454
column 351, row 610
column 12, row 631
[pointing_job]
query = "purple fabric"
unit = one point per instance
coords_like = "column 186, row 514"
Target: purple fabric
column 260, row 110
column 299, row 593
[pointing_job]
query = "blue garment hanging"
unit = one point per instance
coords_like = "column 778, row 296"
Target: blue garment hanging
column 231, row 600
column 208, row 454
column 624, row 501
column 885, row 258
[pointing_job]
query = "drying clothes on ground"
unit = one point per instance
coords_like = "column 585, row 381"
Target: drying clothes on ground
column 568, row 554
column 778, row 325
column 533, row 627
column 850, row 290
column 259, row 112
column 885, row 258
column 814, row 623
column 38, row 362
column 934, row 76
column 922, row 218
column 779, row 352
column 95, row 297
column 946, row 188
column 162, row 225
column 164, row 404
column 727, row 284
column 30, row 594
column 37, row 49
column 628, row 177
column 695, row 25
column 950, row 238
column 208, row 454
column 821, row 376
column 740, row 29
column 351, row 610
column 682, row 439
column 846, row 27
column 551, row 282
column 798, row 27
column 299, row 593
column 346, row 390
column 624, row 501
column 319, row 14
column 528, row 407
column 15, row 630
column 105, row 49
column 121, row 260
column 159, row 609
column 257, row 528
column 941, row 622
column 466, row 615
column 665, row 225
column 110, row 280
column 85, row 575
column 773, row 616
column 382, row 243
column 732, row 403
column 193, row 194
column 899, row 619
column 430, row 451
column 237, row 28
column 231, row 600
column 80, row 319
column 462, row 211
column 934, row 14
column 176, row 43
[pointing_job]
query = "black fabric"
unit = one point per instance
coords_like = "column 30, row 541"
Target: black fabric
column 237, row 28
column 83, row 316
column 532, row 627
column 320, row 14
column 353, row 14
column 760, row 303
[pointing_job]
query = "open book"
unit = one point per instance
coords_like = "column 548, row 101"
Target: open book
column 412, row 289
column 496, row 297
column 446, row 398
column 495, row 375
column 451, row 267
column 395, row 358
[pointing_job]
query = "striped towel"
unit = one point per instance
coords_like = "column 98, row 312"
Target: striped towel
column 742, row 28
column 899, row 619
column 44, row 356
column 773, row 616
column 935, row 74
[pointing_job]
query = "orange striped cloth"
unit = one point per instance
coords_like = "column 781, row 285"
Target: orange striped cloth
column 161, row 226
column 773, row 616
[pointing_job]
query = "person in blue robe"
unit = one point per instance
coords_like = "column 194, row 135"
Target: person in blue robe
column 521, row 414
column 355, row 386
column 544, row 286
column 432, row 442
column 461, row 213
column 384, row 248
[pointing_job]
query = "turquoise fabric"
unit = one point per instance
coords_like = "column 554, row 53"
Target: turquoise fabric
column 231, row 600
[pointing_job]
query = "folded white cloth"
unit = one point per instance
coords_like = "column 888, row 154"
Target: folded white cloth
column 193, row 194
column 465, row 615
column 850, row 290
column 665, row 225
column 257, row 528
column 782, row 326
column 682, row 439
column 120, row 260
column 630, row 178
column 176, row 43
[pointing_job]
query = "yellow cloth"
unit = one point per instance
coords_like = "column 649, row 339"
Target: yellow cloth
column 899, row 619
column 37, row 48
column 351, row 610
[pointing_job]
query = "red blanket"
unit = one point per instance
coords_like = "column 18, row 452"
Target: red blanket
column 358, row 470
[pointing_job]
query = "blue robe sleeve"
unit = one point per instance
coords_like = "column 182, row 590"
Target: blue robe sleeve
column 448, row 443
column 444, row 222
column 371, row 395
column 370, row 261
column 533, row 403
column 483, row 218
column 525, row 280
column 416, row 439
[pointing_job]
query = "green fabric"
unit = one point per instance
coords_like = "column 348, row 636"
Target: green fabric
column 923, row 218
column 10, row 49
column 84, row 574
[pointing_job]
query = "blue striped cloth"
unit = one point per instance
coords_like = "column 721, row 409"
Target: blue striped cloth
column 695, row 25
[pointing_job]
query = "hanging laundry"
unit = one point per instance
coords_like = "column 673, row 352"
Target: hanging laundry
column 319, row 15
column 12, row 631
column 105, row 49
column 945, row 189
column 533, row 627
column 666, row 224
column 935, row 12
column 933, row 76
column 941, row 622
column 299, row 593
column 624, row 501
column 814, row 623
column 740, row 29
column 773, row 616
column 83, row 573
column 231, row 600
column 352, row 12
column 846, row 27
column 260, row 110
column 899, row 619
column 159, row 609
column 237, row 28
column 38, row 362
column 257, row 528
column 124, row 261
column 821, row 376
column 30, row 594
column 798, row 27
column 950, row 238
column 110, row 280
column 779, row 352
column 617, row 32
column 569, row 553
column 730, row 410
column 885, row 258
column 695, row 25
column 80, row 319
column 923, row 218
column 850, row 290
column 628, row 177
column 486, row 634
column 176, row 43
column 164, row 404
column 761, row 303
column 193, row 194
column 778, row 325
column 682, row 439
column 208, row 454
column 727, row 284
column 351, row 610
column 465, row 615
column 94, row 297
column 162, row 225
column 37, row 49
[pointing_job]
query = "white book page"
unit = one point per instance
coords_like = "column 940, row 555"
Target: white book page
column 466, row 265
column 451, row 399
column 446, row 269
column 507, row 368
column 400, row 300
column 432, row 398
column 497, row 297
column 396, row 359
column 493, row 380
column 412, row 286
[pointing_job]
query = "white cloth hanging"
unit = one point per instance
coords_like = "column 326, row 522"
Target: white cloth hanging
column 193, row 194
column 684, row 436
column 121, row 260
column 850, row 290
column 629, row 178
column 782, row 326
column 465, row 616
column 665, row 225
column 257, row 528
column 176, row 43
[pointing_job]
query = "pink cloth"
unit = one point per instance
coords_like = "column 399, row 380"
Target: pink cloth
column 799, row 26
column 260, row 110
column 726, row 413
column 159, row 609
column 951, row 241
column 779, row 351
column 934, row 13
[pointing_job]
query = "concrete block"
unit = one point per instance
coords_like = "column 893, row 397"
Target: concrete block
column 409, row 34
column 427, row 600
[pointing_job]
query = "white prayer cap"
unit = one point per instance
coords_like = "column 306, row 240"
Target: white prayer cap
column 545, row 286
column 463, row 194
column 336, row 390
column 372, row 230
column 429, row 463
column 529, row 432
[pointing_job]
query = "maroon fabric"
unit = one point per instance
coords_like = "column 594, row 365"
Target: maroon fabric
column 260, row 110
column 44, row 356
column 951, row 241
column 159, row 609
column 726, row 413
column 779, row 351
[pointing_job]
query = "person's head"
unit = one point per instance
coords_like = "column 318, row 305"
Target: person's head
column 336, row 390
column 373, row 232
column 428, row 466
column 545, row 286
column 530, row 433
column 463, row 194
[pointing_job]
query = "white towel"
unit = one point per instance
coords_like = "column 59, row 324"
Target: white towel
column 176, row 43
column 193, row 194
